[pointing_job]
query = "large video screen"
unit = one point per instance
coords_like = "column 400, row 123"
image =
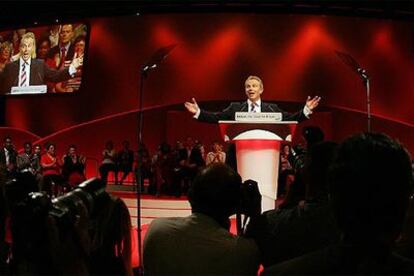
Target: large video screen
column 42, row 59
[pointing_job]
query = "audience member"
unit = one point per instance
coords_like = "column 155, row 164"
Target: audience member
column 196, row 161
column 74, row 83
column 73, row 169
column 201, row 243
column 125, row 161
column 43, row 46
column 286, row 172
column 6, row 50
column 302, row 228
column 108, row 163
column 64, row 50
column 52, row 180
column 36, row 164
column 24, row 160
column 163, row 168
column 369, row 213
column 143, row 165
column 217, row 155
column 8, row 158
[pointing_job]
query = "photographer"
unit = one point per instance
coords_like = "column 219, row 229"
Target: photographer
column 201, row 243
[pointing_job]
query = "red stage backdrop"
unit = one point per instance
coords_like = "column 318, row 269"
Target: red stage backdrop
column 294, row 55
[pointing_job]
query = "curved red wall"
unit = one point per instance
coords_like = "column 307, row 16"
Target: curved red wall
column 294, row 55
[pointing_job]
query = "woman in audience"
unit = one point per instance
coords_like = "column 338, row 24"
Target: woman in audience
column 52, row 180
column 43, row 46
column 6, row 49
column 217, row 155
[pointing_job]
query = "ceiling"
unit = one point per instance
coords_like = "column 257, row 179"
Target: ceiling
column 20, row 13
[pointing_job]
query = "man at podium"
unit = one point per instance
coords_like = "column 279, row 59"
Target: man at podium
column 253, row 87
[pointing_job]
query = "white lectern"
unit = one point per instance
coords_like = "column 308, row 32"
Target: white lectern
column 258, row 150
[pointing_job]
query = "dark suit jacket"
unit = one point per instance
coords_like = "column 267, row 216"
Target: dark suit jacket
column 229, row 112
column 12, row 159
column 56, row 50
column 39, row 74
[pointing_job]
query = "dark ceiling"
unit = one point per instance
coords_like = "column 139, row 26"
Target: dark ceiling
column 20, row 13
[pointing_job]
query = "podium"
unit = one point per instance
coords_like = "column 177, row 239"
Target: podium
column 31, row 89
column 258, row 151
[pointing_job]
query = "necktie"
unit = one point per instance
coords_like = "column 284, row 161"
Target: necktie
column 23, row 77
column 62, row 57
column 253, row 107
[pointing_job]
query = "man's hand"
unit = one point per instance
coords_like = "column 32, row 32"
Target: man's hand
column 192, row 107
column 312, row 103
column 77, row 62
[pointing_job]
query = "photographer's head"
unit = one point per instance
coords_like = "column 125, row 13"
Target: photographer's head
column 216, row 192
column 370, row 183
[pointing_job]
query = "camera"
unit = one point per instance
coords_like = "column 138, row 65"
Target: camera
column 250, row 198
column 65, row 209
column 30, row 212
column 37, row 221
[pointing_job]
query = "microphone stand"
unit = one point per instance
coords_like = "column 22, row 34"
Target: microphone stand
column 153, row 63
column 365, row 79
column 354, row 65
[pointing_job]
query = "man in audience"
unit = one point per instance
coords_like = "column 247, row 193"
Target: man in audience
column 304, row 227
column 24, row 159
column 370, row 184
column 8, row 158
column 64, row 51
column 125, row 160
column 201, row 243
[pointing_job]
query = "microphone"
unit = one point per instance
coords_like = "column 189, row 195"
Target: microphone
column 363, row 73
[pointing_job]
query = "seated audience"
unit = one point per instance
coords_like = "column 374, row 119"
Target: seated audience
column 370, row 185
column 201, row 243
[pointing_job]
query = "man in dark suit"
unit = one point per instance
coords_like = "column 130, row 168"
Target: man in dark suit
column 28, row 71
column 8, row 158
column 253, row 90
column 64, row 51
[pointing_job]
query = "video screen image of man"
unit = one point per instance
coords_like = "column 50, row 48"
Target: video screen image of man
column 26, row 74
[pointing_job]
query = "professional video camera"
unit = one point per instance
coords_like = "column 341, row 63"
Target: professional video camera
column 31, row 219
